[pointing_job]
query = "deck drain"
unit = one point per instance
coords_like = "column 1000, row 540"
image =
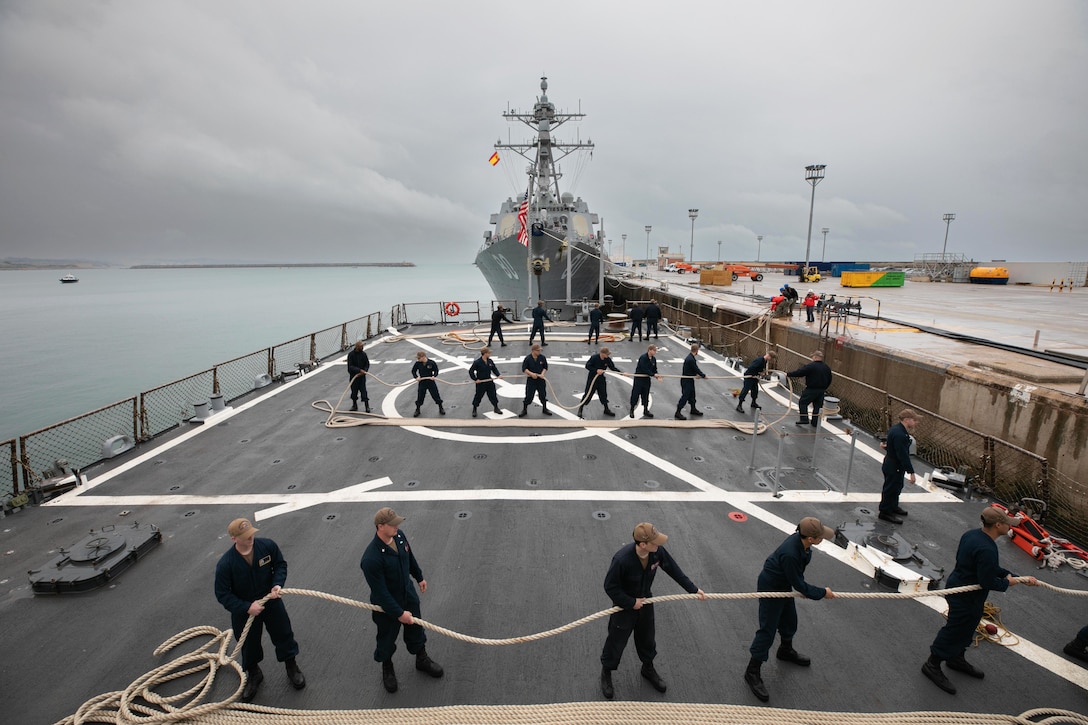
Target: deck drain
column 804, row 459
column 175, row 488
column 761, row 484
column 651, row 484
column 339, row 439
column 740, row 438
column 630, row 436
column 534, row 482
column 292, row 487
column 412, row 484
column 244, row 440
column 374, row 459
column 57, row 521
column 864, row 511
column 462, row 515
column 602, row 515
column 698, row 459
column 480, row 456
column 331, row 517
column 187, row 514
column 590, row 457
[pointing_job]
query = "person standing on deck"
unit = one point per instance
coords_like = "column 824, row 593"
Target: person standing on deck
column 653, row 316
column 635, row 315
column 817, row 377
column 389, row 566
column 535, row 366
column 645, row 369
column 358, row 365
column 539, row 315
column 497, row 318
column 249, row 571
column 596, row 381
column 810, row 305
column 896, row 464
column 687, row 383
column 595, row 317
column 481, row 371
column 751, row 379
column 783, row 571
column 976, row 563
column 628, row 582
column 426, row 371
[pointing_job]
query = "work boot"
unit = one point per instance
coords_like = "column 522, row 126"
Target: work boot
column 756, row 406
column 650, row 674
column 695, row 411
column 354, row 406
column 424, row 663
column 474, row 411
column 524, row 411
column 294, row 674
column 755, row 681
column 502, row 344
column 416, row 414
column 632, row 411
column 960, row 664
column 441, row 410
column 579, row 413
column 932, row 670
column 389, row 677
column 815, row 422
column 646, row 412
column 366, row 403
column 608, row 412
column 740, row 407
column 546, row 411
column 889, row 517
column 606, row 684
column 498, row 410
column 1077, row 649
column 789, row 654
column 254, row 678
column 803, row 421
column 680, row 414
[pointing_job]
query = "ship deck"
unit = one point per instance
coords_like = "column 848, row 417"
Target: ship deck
column 514, row 524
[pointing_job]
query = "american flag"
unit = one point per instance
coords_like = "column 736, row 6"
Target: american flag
column 523, row 213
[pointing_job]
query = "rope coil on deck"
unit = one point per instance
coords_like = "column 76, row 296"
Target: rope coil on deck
column 140, row 703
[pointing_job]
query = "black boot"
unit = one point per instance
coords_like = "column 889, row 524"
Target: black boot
column 646, row 412
column 606, row 684
column 632, row 411
column 389, row 677
column 694, row 411
column 367, row 404
column 580, row 407
column 789, row 654
column 254, row 678
column 740, row 407
column 524, row 411
column 803, row 421
column 441, row 410
column 756, row 406
column 755, row 681
column 1077, row 649
column 416, row 414
column 498, row 410
column 294, row 674
column 424, row 663
column 650, row 674
column 932, row 670
column 680, row 414
column 608, row 412
column 546, row 411
column 354, row 406
column 474, row 411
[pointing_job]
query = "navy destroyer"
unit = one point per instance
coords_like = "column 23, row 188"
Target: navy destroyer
column 546, row 245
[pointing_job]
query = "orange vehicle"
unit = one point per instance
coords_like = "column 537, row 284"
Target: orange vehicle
column 743, row 270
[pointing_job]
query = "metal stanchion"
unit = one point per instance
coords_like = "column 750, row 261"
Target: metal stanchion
column 755, row 422
column 815, row 442
column 778, row 466
column 850, row 460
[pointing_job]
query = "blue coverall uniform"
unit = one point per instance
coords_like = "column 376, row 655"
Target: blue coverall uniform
column 687, row 383
column 389, row 571
column 896, row 464
column 782, row 571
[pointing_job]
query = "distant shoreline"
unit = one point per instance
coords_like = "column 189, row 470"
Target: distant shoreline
column 298, row 264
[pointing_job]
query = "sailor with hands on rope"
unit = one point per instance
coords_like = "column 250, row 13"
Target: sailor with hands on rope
column 535, row 366
column 425, row 371
column 497, row 318
column 645, row 368
column 687, row 383
column 784, row 570
column 627, row 583
column 358, row 365
column 751, row 379
column 481, row 371
column 596, row 381
column 247, row 572
column 389, row 566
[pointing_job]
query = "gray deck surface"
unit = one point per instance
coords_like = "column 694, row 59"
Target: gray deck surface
column 514, row 529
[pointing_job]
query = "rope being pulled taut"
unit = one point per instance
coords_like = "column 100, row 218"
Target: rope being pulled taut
column 141, row 703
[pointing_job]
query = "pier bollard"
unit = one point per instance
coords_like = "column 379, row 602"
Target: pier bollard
column 200, row 410
column 217, row 403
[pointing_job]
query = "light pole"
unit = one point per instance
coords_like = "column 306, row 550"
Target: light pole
column 814, row 174
column 719, row 250
column 825, row 230
column 648, row 228
column 947, row 223
column 691, row 253
column 610, row 249
column 759, row 247
column 623, row 251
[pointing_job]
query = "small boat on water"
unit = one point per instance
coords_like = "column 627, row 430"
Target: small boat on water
column 69, row 278
column 989, row 275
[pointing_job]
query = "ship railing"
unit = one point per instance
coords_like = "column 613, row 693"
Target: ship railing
column 447, row 312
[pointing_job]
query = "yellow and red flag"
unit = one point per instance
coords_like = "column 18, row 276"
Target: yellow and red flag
column 494, row 158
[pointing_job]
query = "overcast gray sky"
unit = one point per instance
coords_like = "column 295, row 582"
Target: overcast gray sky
column 347, row 130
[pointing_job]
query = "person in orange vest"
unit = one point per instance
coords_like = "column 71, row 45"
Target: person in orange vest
column 810, row 305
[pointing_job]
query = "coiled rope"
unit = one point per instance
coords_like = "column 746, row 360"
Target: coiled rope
column 140, row 703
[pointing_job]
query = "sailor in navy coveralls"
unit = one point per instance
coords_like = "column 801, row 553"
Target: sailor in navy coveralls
column 687, row 383
column 539, row 315
column 389, row 567
column 896, row 464
column 627, row 584
column 595, row 317
column 784, row 570
column 481, row 371
column 645, row 368
column 248, row 571
column 976, row 563
column 596, row 383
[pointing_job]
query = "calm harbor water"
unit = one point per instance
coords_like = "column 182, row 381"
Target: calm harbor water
column 70, row 348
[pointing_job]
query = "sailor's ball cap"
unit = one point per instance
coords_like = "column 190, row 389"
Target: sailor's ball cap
column 992, row 515
column 812, row 527
column 387, row 516
column 646, row 533
column 241, row 529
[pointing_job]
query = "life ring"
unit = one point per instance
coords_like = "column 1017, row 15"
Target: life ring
column 453, row 309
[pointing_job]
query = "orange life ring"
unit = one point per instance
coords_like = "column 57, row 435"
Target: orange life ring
column 453, row 309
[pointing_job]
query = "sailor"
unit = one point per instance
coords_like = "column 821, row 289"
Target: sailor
column 535, row 366
column 425, row 371
column 389, row 566
column 596, row 381
column 595, row 316
column 635, row 315
column 358, row 365
column 653, row 316
column 640, row 389
column 497, row 318
column 539, row 315
column 628, row 582
column 751, row 379
column 817, row 377
column 481, row 371
column 250, row 570
column 687, row 383
column 1078, row 648
column 896, row 464
column 784, row 570
column 976, row 563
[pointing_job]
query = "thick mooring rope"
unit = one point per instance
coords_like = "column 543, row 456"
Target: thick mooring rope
column 140, row 703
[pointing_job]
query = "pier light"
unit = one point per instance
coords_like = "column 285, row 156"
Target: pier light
column 719, row 250
column 648, row 228
column 692, row 213
column 947, row 223
column 825, row 230
column 814, row 174
column 759, row 246
column 623, row 250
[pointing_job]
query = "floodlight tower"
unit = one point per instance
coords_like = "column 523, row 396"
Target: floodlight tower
column 947, row 223
column 814, row 174
column 691, row 253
